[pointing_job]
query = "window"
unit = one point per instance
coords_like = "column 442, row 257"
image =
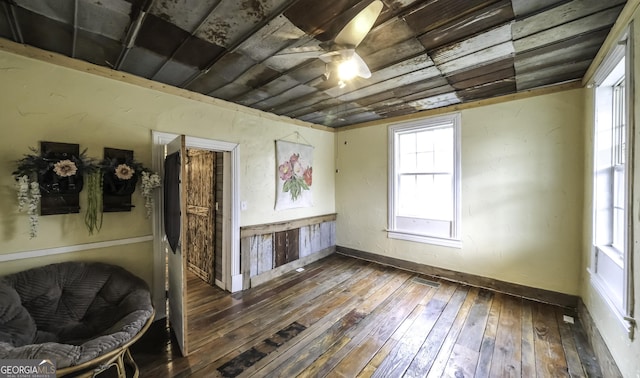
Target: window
column 612, row 222
column 424, row 180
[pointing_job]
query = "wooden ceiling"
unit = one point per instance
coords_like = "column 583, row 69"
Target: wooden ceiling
column 423, row 54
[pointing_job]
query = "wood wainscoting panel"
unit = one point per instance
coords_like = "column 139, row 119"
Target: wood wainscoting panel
column 270, row 250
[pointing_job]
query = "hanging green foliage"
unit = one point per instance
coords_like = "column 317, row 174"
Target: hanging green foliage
column 93, row 216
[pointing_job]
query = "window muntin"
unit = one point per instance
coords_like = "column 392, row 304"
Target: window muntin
column 424, row 180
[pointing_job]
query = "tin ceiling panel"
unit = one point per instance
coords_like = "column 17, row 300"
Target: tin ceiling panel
column 315, row 17
column 482, row 19
column 523, row 8
column 109, row 19
column 96, row 49
column 422, row 54
column 272, row 38
column 47, row 33
column 5, row 26
column 497, row 71
column 270, row 103
column 572, row 50
column 437, row 13
column 186, row 14
column 175, row 73
column 596, row 21
column 232, row 20
column 142, row 62
column 56, row 10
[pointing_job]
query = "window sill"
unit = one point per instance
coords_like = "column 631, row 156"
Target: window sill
column 452, row 243
column 600, row 287
column 614, row 254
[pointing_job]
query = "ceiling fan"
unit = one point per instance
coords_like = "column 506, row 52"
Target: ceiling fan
column 338, row 49
column 342, row 57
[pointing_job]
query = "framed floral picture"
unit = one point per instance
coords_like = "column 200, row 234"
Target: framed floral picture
column 294, row 175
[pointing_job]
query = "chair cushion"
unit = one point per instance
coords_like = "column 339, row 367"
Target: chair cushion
column 18, row 327
column 71, row 312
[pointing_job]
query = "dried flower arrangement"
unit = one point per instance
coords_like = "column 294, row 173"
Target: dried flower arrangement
column 38, row 173
column 122, row 175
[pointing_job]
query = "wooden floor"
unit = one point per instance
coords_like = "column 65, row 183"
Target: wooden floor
column 343, row 317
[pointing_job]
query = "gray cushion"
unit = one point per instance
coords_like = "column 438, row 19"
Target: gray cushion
column 70, row 312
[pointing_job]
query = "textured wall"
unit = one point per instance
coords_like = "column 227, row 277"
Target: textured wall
column 41, row 101
column 522, row 175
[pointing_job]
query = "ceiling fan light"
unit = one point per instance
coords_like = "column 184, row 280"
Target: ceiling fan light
column 348, row 69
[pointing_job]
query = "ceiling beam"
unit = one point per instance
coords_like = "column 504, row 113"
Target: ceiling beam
column 13, row 22
column 132, row 33
column 75, row 29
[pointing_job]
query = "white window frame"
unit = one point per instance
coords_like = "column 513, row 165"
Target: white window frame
column 610, row 268
column 396, row 232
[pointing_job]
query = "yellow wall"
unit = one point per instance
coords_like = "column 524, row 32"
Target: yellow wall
column 522, row 175
column 45, row 102
column 624, row 351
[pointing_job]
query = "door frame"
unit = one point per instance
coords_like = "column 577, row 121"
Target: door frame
column 231, row 275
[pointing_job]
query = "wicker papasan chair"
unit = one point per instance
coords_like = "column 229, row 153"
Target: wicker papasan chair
column 82, row 315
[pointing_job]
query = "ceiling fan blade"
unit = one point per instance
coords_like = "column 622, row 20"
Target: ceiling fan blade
column 330, row 56
column 363, row 70
column 354, row 32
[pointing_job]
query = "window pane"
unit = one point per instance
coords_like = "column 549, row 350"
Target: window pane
column 618, row 207
column 618, row 229
column 426, row 196
column 407, row 153
column 425, row 162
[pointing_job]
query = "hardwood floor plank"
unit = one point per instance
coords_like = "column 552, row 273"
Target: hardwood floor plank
column 301, row 310
column 506, row 361
column 446, row 349
column 465, row 354
column 317, row 347
column 344, row 317
column 368, row 346
column 348, row 360
column 586, row 353
column 568, row 345
column 391, row 342
column 244, row 326
column 403, row 353
column 320, row 345
column 426, row 355
column 550, row 358
column 462, row 362
column 489, row 339
column 222, row 342
column 528, row 363
column 319, row 321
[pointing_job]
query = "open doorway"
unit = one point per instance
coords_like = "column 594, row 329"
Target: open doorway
column 228, row 276
column 205, row 214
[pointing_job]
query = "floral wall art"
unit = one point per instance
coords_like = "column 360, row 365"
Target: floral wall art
column 294, row 183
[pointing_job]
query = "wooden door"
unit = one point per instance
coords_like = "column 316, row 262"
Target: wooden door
column 201, row 228
column 176, row 257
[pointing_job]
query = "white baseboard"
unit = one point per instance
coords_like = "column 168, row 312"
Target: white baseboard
column 72, row 248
